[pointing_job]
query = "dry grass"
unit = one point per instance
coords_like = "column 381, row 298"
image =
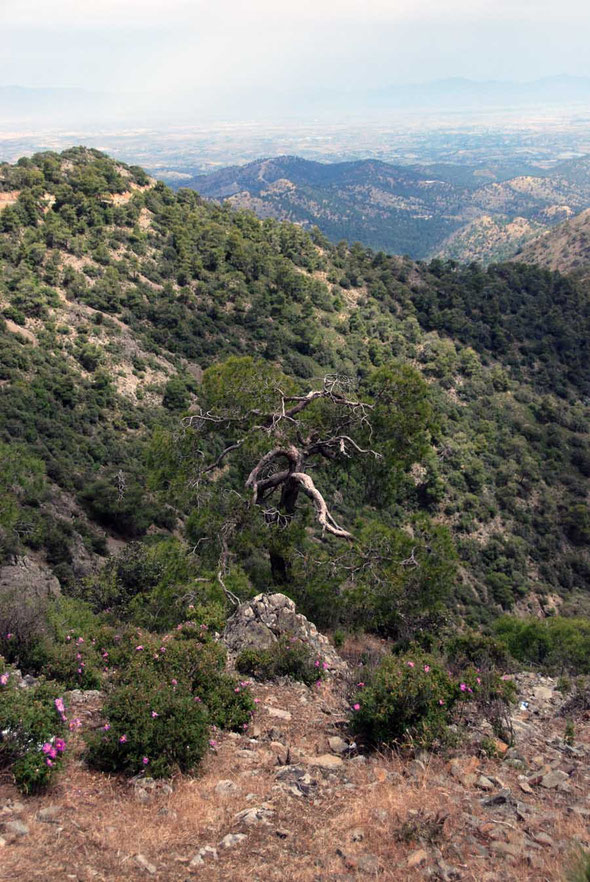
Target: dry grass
column 386, row 807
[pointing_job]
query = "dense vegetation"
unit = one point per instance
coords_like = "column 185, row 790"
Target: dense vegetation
column 196, row 406
column 124, row 291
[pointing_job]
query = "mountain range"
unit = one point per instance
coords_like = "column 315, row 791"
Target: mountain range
column 482, row 212
column 72, row 105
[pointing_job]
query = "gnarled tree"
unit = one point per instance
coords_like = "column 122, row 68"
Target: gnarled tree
column 258, row 436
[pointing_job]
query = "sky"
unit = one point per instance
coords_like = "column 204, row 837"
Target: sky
column 223, row 50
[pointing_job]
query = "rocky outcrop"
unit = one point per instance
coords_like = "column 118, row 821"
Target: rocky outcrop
column 261, row 621
column 28, row 579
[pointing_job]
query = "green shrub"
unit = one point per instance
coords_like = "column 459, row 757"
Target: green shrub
column 33, row 723
column 411, row 699
column 288, row 657
column 69, row 644
column 407, row 699
column 556, row 644
column 473, row 649
column 164, row 698
column 128, row 513
column 152, row 584
column 580, row 870
column 152, row 725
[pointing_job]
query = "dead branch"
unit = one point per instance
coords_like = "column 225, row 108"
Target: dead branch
column 222, row 456
column 291, row 454
column 323, row 515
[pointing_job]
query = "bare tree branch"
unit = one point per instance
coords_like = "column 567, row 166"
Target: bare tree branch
column 222, row 456
column 324, row 517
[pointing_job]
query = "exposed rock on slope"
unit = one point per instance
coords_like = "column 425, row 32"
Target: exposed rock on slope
column 28, row 579
column 565, row 248
column 267, row 617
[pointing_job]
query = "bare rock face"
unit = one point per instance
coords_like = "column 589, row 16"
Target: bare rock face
column 260, row 622
column 28, row 579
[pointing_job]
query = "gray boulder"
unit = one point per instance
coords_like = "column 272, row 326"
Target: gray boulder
column 260, row 622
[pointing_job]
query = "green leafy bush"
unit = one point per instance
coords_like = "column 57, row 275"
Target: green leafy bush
column 580, row 869
column 287, row 657
column 412, row 699
column 68, row 644
column 151, row 724
column 407, row 699
column 556, row 644
column 473, row 649
column 33, row 723
column 163, row 701
column 152, row 584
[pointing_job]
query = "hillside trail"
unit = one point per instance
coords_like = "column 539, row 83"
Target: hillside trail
column 291, row 799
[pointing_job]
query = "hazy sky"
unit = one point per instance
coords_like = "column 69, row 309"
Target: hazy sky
column 222, row 46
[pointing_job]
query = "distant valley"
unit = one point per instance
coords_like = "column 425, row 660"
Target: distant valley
column 482, row 212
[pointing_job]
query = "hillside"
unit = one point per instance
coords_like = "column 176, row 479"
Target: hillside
column 291, row 800
column 465, row 213
column 565, row 248
column 117, row 293
column 281, row 525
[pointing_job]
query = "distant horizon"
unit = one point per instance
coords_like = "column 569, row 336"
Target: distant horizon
column 90, row 109
column 261, row 55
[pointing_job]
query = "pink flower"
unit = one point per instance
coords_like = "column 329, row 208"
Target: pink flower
column 196, row 698
column 9, row 636
column 80, row 640
column 154, row 715
column 463, row 687
column 3, row 679
column 244, row 725
column 60, row 745
column 212, row 742
column 145, row 760
column 123, row 739
column 317, row 663
column 427, row 668
column 356, row 706
column 237, row 689
column 256, row 701
column 410, row 664
column 440, row 701
column 360, row 685
column 174, row 682
column 106, row 727
column 478, row 679
column 325, row 666
column 46, row 748
column 138, row 648
column 48, row 761
column 74, row 724
column 78, row 656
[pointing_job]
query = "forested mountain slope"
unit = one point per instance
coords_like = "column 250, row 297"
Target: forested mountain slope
column 116, row 294
column 462, row 212
column 565, row 248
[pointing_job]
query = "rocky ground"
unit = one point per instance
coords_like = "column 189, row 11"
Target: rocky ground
column 293, row 800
